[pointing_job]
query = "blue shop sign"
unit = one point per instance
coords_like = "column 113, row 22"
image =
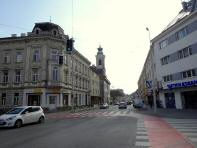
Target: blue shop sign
column 182, row 84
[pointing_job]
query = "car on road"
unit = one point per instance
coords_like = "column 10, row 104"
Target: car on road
column 104, row 106
column 122, row 105
column 19, row 116
column 138, row 103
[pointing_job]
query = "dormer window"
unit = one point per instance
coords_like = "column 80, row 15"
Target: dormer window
column 54, row 32
column 37, row 31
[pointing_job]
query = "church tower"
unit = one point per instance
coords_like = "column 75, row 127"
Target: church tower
column 100, row 60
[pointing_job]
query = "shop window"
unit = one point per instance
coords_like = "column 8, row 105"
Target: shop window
column 52, row 99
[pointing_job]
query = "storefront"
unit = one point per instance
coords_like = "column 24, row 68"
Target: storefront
column 182, row 95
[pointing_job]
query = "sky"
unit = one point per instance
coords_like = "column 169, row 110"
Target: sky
column 119, row 26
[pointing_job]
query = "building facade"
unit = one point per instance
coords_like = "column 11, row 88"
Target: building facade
column 175, row 60
column 35, row 69
column 95, row 87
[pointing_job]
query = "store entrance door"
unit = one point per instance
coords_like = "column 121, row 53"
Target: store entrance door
column 190, row 99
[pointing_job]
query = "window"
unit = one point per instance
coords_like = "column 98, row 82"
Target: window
column 165, row 60
column 54, row 55
column 3, row 98
column 36, row 55
column 100, row 62
column 35, row 75
column 52, row 99
column 184, row 52
column 5, row 76
column 6, row 58
column 55, row 73
column 163, row 44
column 16, row 98
column 181, row 34
column 54, row 32
column 19, row 57
column 37, row 31
column 188, row 74
column 167, row 78
column 17, row 76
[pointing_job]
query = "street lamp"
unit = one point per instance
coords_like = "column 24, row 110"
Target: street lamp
column 153, row 74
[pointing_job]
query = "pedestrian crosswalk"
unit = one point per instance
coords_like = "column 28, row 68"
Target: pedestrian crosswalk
column 187, row 127
column 142, row 140
column 85, row 114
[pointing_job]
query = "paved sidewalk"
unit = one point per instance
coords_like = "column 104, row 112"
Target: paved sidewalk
column 162, row 135
column 170, row 113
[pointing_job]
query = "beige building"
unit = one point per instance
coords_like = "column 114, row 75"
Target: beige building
column 95, row 87
column 35, row 69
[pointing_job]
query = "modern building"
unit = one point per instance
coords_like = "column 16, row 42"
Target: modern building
column 35, row 69
column 174, row 60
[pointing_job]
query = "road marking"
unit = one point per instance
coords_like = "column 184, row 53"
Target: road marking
column 142, row 137
column 142, row 143
column 141, row 133
column 193, row 139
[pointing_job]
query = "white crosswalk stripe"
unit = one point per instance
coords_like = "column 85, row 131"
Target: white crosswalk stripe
column 187, row 127
column 142, row 139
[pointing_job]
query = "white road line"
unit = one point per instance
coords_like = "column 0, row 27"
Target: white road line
column 141, row 129
column 141, row 133
column 193, row 139
column 190, row 134
column 142, row 137
column 142, row 143
column 187, row 130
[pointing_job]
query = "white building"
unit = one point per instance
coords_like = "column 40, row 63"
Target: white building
column 175, row 60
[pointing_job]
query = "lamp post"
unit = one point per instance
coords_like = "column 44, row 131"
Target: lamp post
column 153, row 74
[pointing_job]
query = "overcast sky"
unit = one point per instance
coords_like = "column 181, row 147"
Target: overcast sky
column 119, row 26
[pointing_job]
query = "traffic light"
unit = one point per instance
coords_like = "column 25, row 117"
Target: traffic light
column 69, row 45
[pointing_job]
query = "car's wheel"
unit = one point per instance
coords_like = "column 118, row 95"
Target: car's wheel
column 41, row 119
column 18, row 124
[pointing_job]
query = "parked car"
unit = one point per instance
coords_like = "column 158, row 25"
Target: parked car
column 18, row 116
column 104, row 106
column 122, row 105
column 138, row 103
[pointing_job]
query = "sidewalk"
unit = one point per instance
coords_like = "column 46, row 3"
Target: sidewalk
column 169, row 113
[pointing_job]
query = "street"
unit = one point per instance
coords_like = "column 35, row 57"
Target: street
column 106, row 128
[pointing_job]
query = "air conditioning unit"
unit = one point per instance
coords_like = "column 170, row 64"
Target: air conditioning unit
column 13, row 35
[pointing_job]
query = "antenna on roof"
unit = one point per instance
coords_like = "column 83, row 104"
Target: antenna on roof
column 50, row 19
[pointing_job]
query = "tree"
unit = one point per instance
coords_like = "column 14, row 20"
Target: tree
column 115, row 94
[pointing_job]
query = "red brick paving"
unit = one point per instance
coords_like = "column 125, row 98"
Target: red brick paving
column 162, row 135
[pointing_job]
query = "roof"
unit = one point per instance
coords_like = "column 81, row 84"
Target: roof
column 48, row 26
column 189, row 8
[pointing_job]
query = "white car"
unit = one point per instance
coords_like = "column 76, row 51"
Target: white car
column 22, row 115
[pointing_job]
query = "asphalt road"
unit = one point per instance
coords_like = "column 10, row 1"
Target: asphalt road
column 114, row 130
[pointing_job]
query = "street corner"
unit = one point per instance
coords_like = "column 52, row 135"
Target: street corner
column 163, row 135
